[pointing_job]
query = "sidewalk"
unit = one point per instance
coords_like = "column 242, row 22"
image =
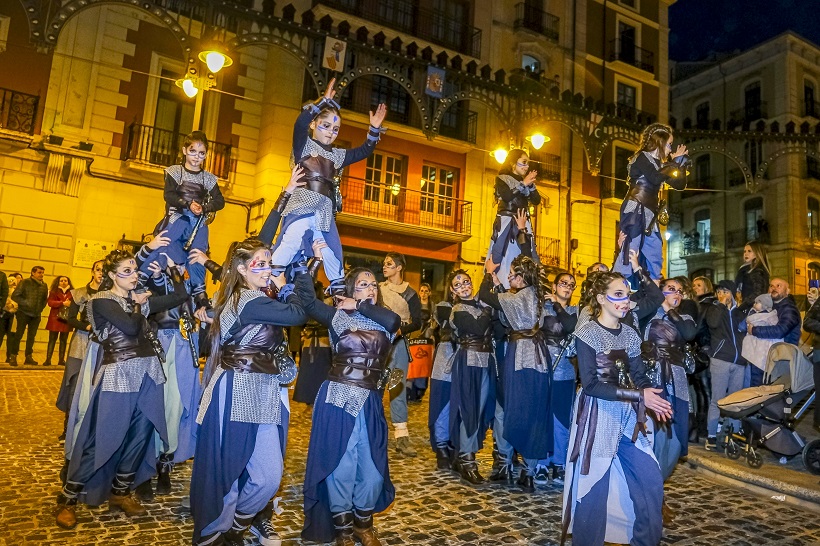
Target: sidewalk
column 39, row 357
column 789, row 481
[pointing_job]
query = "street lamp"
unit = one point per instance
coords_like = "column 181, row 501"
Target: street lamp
column 201, row 76
column 537, row 140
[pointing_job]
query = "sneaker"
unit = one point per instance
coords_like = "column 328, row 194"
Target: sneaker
column 558, row 474
column 264, row 531
column 542, row 475
column 711, row 443
column 404, row 448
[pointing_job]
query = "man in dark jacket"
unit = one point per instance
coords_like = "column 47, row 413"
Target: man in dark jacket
column 726, row 324
column 31, row 296
column 788, row 327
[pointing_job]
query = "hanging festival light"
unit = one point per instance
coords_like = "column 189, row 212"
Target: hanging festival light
column 537, row 140
column 215, row 60
column 188, row 87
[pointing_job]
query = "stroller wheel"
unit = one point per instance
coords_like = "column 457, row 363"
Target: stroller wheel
column 811, row 457
column 754, row 459
column 732, row 449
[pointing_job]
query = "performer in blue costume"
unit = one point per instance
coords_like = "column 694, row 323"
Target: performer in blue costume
column 614, row 489
column 310, row 214
column 191, row 194
column 472, row 392
column 114, row 448
column 515, row 191
column 652, row 165
column 347, row 478
column 438, row 420
column 527, row 368
column 244, row 410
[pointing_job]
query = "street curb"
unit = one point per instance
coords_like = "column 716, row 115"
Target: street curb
column 793, row 494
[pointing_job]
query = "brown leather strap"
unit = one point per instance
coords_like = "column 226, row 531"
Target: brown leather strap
column 476, row 343
column 249, row 360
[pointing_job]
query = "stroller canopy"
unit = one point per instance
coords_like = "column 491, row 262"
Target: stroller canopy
column 788, row 366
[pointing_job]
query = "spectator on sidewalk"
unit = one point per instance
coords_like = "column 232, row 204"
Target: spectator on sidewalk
column 726, row 322
column 31, row 296
column 59, row 297
column 787, row 327
column 7, row 315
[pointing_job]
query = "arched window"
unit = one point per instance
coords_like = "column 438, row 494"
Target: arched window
column 810, row 108
column 702, row 115
column 756, row 226
column 813, row 217
column 703, row 229
column 703, row 171
column 530, row 64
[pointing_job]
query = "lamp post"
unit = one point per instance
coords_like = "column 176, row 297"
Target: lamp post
column 201, row 76
column 569, row 227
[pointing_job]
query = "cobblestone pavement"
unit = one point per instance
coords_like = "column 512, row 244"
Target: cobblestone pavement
column 431, row 509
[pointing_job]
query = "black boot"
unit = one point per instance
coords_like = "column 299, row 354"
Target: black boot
column 343, row 529
column 693, row 429
column 241, row 522
column 144, row 492
column 526, row 482
column 443, row 461
column 503, row 474
column 468, row 468
column 164, row 466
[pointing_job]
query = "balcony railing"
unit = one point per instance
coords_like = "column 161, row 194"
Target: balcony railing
column 537, row 20
column 549, row 250
column 627, row 52
column 18, row 111
column 630, row 113
column 696, row 243
column 405, row 206
column 547, row 165
column 147, row 144
column 465, row 129
column 749, row 113
column 738, row 238
column 429, row 25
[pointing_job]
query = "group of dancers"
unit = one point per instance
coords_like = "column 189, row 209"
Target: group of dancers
column 135, row 405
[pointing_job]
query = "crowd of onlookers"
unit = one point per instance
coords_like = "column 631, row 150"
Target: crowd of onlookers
column 23, row 301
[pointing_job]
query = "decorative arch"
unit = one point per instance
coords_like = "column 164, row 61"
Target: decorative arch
column 751, row 183
column 50, row 31
column 387, row 72
column 445, row 103
column 600, row 138
column 280, row 41
column 790, row 149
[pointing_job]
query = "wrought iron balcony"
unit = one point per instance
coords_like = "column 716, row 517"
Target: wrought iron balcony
column 402, row 210
column 694, row 243
column 18, row 111
column 547, row 165
column 465, row 127
column 153, row 146
column 630, row 113
column 627, row 52
column 749, row 113
column 737, row 238
column 430, row 25
column 537, row 20
column 549, row 250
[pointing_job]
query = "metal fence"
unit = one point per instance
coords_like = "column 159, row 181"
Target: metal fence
column 18, row 111
column 161, row 147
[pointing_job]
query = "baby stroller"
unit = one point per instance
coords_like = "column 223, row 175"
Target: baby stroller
column 768, row 413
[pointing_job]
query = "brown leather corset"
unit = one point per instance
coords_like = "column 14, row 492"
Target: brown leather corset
column 191, row 191
column 318, row 175
column 510, row 208
column 119, row 347
column 644, row 195
column 360, row 358
column 480, row 344
column 256, row 355
column 607, row 366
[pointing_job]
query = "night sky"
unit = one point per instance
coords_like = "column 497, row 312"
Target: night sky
column 699, row 28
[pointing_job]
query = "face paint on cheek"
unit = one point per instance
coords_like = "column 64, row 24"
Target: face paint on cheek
column 124, row 275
